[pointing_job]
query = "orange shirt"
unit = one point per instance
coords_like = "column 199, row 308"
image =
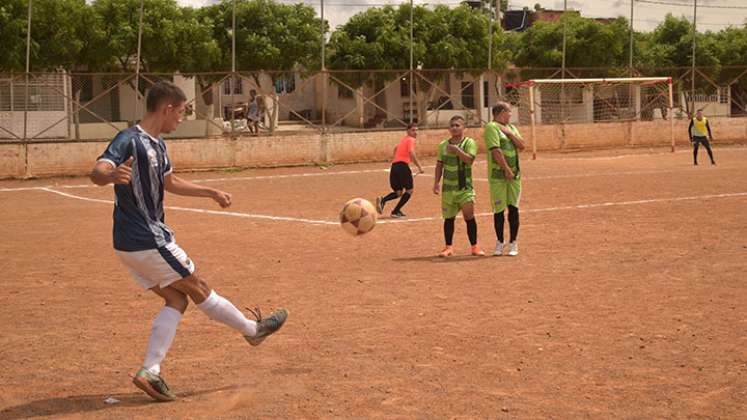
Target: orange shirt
column 403, row 150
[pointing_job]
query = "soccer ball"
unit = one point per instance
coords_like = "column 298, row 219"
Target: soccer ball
column 358, row 216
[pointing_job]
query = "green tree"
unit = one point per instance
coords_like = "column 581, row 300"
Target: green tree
column 589, row 43
column 13, row 35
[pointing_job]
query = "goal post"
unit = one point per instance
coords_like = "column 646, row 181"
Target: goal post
column 568, row 101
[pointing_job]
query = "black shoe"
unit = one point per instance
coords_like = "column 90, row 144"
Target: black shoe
column 267, row 326
column 379, row 205
column 397, row 215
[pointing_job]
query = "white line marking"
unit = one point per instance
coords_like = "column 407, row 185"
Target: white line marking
column 215, row 212
column 316, row 174
column 590, row 206
column 420, row 219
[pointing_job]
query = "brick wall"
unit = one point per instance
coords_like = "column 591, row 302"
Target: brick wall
column 66, row 157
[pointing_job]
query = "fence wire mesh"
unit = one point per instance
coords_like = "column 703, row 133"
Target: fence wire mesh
column 80, row 106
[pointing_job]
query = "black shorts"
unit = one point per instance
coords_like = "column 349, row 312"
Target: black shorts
column 700, row 140
column 400, row 176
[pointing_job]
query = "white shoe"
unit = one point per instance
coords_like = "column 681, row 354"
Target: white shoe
column 513, row 249
column 498, row 249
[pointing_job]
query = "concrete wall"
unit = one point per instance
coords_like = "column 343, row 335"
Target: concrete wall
column 18, row 160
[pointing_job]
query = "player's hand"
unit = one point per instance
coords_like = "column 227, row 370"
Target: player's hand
column 420, row 170
column 453, row 148
column 505, row 129
column 222, row 198
column 122, row 174
column 509, row 174
column 436, row 188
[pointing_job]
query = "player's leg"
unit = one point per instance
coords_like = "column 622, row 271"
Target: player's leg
column 707, row 145
column 513, row 198
column 499, row 221
column 498, row 199
column 407, row 183
column 696, row 144
column 162, row 335
column 513, row 227
column 468, row 212
column 449, row 211
column 222, row 310
column 397, row 189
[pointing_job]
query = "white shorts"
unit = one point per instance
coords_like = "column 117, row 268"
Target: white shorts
column 159, row 266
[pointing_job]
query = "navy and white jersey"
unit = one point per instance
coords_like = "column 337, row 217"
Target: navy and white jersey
column 138, row 208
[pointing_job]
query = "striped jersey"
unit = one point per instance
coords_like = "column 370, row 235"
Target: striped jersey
column 138, row 207
column 495, row 139
column 456, row 174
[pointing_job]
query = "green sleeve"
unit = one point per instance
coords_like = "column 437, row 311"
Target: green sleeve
column 440, row 154
column 471, row 147
column 491, row 137
column 504, row 140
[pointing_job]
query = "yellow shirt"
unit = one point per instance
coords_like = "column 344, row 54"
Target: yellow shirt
column 700, row 128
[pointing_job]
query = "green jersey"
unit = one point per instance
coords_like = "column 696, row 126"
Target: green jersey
column 495, row 139
column 457, row 175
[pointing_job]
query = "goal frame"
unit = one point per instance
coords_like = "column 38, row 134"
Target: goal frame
column 531, row 83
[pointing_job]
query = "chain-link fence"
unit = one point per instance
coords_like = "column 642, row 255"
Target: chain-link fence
column 81, row 106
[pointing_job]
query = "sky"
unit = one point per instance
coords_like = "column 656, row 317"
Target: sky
column 713, row 15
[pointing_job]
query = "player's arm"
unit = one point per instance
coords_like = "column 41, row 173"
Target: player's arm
column 179, row 186
column 414, row 158
column 708, row 126
column 501, row 160
column 437, row 175
column 104, row 173
column 515, row 139
column 461, row 154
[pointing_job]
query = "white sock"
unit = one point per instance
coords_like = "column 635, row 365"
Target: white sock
column 221, row 310
column 161, row 336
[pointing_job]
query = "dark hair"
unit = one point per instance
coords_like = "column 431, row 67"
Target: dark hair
column 455, row 118
column 500, row 107
column 411, row 125
column 163, row 91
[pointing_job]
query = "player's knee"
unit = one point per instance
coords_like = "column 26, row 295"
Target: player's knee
column 195, row 287
column 399, row 193
column 178, row 302
column 410, row 191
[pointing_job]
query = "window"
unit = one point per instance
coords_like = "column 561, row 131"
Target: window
column 86, row 88
column 344, row 93
column 285, row 84
column 404, row 87
column 238, row 86
column 468, row 94
column 486, row 93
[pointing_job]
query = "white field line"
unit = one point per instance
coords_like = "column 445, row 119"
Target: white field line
column 386, row 170
column 421, row 219
column 204, row 211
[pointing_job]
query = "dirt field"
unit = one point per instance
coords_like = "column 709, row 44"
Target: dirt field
column 627, row 300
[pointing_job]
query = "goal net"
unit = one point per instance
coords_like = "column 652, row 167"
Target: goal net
column 569, row 101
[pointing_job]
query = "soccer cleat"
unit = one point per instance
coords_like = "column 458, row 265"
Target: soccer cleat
column 498, row 249
column 379, row 205
column 446, row 252
column 153, row 385
column 513, row 249
column 397, row 215
column 266, row 326
column 476, row 251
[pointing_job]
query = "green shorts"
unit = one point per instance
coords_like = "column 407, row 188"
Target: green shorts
column 504, row 193
column 452, row 202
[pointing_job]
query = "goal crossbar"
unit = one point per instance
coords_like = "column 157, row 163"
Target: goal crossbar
column 532, row 85
column 531, row 82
